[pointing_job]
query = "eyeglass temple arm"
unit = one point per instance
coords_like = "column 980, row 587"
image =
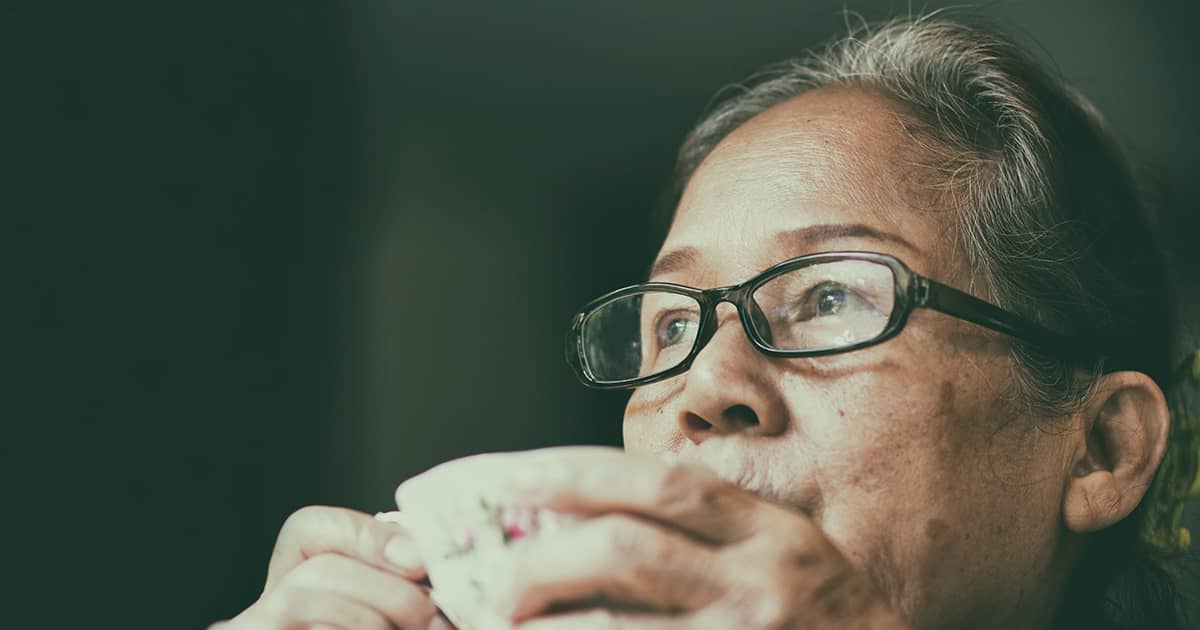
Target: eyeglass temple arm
column 947, row 299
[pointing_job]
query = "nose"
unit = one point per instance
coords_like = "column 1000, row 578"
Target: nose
column 731, row 388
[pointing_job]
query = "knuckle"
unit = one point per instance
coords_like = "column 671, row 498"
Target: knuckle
column 785, row 535
column 795, row 561
column 297, row 525
column 684, row 491
column 769, row 609
column 773, row 612
column 760, row 603
column 316, row 569
column 798, row 531
column 634, row 554
column 322, row 527
column 304, row 517
column 676, row 483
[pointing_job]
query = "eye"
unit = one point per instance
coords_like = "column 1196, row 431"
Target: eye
column 829, row 299
column 674, row 328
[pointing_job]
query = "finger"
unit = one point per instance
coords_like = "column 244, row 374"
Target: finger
column 396, row 598
column 605, row 619
column 318, row 529
column 592, row 479
column 612, row 558
column 306, row 608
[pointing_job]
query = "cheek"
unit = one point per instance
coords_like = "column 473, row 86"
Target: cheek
column 913, row 420
column 646, row 428
column 946, row 489
column 917, row 445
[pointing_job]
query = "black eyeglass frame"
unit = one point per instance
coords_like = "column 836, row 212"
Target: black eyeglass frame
column 913, row 291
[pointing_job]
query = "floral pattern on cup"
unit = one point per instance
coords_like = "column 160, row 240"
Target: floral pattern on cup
column 511, row 522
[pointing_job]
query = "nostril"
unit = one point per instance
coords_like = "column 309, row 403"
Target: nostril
column 696, row 423
column 741, row 416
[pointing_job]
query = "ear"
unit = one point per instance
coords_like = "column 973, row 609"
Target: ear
column 1125, row 428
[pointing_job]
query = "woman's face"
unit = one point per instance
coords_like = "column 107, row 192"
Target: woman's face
column 909, row 454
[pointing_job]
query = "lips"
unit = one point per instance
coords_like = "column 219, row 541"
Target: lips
column 753, row 469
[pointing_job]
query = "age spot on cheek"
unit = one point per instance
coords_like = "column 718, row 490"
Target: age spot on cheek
column 947, row 397
column 935, row 529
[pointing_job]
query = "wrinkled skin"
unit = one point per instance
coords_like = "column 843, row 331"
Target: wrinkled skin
column 915, row 457
column 897, row 486
column 908, row 455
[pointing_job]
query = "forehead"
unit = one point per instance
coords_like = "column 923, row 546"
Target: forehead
column 830, row 156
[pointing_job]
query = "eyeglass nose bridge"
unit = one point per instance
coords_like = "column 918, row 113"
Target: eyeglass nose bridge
column 731, row 294
column 740, row 297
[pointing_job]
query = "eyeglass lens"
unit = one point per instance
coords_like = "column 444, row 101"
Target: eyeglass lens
column 822, row 306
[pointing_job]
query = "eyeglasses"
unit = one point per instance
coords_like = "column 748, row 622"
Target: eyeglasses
column 811, row 306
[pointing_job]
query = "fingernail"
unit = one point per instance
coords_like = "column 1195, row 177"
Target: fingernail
column 401, row 551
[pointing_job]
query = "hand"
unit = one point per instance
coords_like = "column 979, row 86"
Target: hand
column 671, row 546
column 338, row 568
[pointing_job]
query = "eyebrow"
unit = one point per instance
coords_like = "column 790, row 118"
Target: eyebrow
column 805, row 237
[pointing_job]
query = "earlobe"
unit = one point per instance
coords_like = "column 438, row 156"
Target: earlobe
column 1125, row 433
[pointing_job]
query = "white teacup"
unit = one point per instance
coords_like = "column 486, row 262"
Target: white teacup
column 462, row 516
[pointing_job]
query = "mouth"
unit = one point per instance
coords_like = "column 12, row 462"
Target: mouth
column 749, row 478
column 754, row 475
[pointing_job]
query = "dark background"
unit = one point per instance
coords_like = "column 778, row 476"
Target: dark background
column 269, row 254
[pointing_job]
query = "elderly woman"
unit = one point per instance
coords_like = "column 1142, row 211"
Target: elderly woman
column 910, row 317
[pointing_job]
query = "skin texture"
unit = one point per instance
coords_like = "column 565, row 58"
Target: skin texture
column 338, row 568
column 898, row 486
column 909, row 454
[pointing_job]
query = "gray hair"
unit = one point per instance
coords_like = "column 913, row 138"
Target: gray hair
column 1050, row 222
column 1050, row 219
